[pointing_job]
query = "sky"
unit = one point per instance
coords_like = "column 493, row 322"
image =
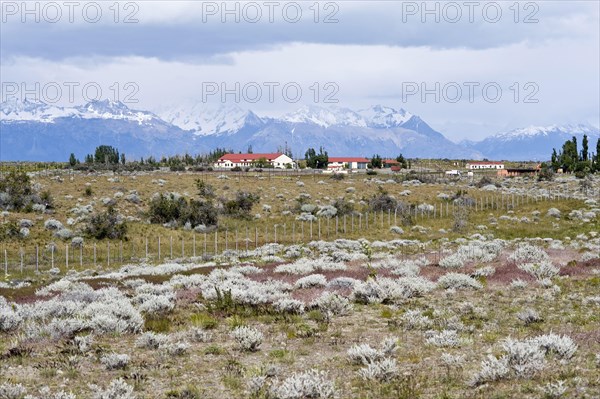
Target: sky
column 468, row 68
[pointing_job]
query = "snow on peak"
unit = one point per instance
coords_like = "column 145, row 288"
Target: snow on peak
column 532, row 131
column 15, row 110
column 325, row 117
column 207, row 121
column 383, row 117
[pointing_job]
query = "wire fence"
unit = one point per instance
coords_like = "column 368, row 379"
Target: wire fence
column 242, row 237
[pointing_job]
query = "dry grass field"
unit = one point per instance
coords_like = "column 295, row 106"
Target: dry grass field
column 506, row 307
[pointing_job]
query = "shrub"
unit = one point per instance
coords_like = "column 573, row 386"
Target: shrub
column 289, row 306
column 205, row 190
column 118, row 389
column 458, row 281
column 241, row 205
column 563, row 346
column 312, row 384
column 527, row 253
column 106, row 225
column 382, row 201
column 151, row 340
column 413, row 319
column 313, row 280
column 333, row 304
column 381, row 370
column 492, row 369
column 168, row 208
column 175, row 348
column 115, row 361
column 365, row 354
column 17, row 193
column 541, row 271
column 444, row 338
column 529, row 316
column 12, row 391
column 248, row 338
column 523, row 357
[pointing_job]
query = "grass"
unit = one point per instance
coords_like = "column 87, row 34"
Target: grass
column 249, row 234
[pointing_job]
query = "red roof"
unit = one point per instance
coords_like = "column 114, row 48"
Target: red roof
column 348, row 159
column 486, row 163
column 391, row 162
column 249, row 157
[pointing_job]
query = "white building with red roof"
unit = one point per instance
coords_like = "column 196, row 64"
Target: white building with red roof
column 337, row 163
column 276, row 160
column 476, row 165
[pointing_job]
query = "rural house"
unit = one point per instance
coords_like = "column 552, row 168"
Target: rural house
column 274, row 160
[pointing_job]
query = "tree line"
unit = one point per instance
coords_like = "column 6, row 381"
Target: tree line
column 570, row 159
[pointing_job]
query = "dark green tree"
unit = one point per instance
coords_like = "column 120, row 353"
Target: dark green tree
column 376, row 162
column 123, row 159
column 584, row 148
column 72, row 160
column 598, row 156
column 554, row 159
column 316, row 161
column 106, row 154
column 402, row 161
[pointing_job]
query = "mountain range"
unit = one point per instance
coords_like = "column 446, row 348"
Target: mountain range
column 36, row 131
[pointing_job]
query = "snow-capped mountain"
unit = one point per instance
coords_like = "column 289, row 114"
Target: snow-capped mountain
column 533, row 142
column 14, row 110
column 325, row 117
column 385, row 117
column 33, row 130
column 342, row 131
column 204, row 121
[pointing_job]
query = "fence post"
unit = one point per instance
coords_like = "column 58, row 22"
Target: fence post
column 21, row 252
column 275, row 233
column 146, row 249
column 194, row 244
column 159, row 248
column 81, row 256
column 37, row 253
column 94, row 254
column 216, row 242
column 51, row 256
column 67, row 256
column 121, row 252
column 182, row 247
column 108, row 253
column 319, row 223
column 5, row 263
column 171, row 247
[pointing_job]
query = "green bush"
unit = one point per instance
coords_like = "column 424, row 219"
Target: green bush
column 106, row 225
column 382, row 201
column 241, row 205
column 343, row 207
column 166, row 208
column 16, row 193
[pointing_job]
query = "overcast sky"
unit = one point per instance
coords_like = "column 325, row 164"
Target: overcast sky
column 543, row 56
